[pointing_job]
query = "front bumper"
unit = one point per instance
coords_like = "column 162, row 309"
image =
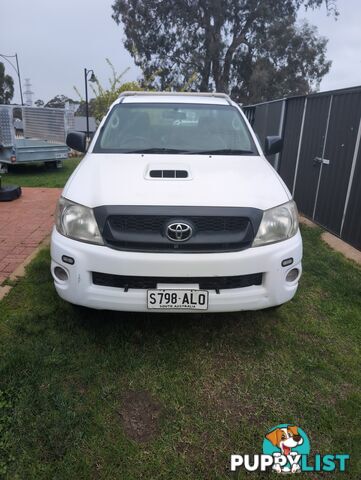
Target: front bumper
column 79, row 288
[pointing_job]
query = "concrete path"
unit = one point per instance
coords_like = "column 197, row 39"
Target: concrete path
column 24, row 224
column 336, row 243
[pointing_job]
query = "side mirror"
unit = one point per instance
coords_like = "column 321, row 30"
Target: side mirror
column 76, row 141
column 272, row 145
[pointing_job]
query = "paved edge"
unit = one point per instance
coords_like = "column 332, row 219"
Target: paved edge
column 307, row 221
column 20, row 270
column 340, row 246
column 335, row 243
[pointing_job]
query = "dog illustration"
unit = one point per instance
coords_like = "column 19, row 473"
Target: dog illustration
column 285, row 439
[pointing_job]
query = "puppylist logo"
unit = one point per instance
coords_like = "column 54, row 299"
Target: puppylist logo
column 286, row 449
column 286, row 444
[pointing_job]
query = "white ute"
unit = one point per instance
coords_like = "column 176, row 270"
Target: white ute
column 175, row 208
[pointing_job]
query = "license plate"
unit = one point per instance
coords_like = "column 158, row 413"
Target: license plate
column 181, row 299
column 61, row 155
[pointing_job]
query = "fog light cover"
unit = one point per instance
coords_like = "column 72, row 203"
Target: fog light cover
column 61, row 274
column 292, row 275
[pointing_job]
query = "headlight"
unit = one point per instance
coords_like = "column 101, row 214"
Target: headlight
column 77, row 222
column 278, row 223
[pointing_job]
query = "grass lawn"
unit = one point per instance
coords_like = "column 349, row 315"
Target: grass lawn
column 101, row 395
column 38, row 175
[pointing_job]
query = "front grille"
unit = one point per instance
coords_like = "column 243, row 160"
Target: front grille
column 152, row 223
column 145, row 228
column 205, row 283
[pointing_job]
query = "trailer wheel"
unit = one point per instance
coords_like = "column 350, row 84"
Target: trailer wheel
column 9, row 192
column 50, row 165
column 54, row 164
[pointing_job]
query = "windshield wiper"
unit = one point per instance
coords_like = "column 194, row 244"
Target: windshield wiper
column 154, row 150
column 222, row 151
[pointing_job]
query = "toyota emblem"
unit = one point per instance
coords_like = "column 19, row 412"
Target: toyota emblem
column 179, row 232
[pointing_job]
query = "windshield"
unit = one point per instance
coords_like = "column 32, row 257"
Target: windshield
column 175, row 128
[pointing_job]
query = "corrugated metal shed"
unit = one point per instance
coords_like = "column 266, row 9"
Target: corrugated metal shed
column 321, row 158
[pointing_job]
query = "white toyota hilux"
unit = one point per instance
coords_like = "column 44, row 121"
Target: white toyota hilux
column 175, row 208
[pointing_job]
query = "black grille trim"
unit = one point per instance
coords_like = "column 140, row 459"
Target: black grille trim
column 153, row 223
column 143, row 228
column 205, row 283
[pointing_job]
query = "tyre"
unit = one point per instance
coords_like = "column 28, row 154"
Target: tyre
column 9, row 192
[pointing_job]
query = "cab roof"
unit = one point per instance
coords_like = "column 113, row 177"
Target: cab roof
column 175, row 97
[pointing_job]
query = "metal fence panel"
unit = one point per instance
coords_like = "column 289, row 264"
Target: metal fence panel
column 338, row 156
column 291, row 138
column 312, row 147
column 321, row 158
column 250, row 113
column 351, row 231
column 268, row 121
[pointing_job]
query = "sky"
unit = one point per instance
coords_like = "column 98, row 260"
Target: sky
column 55, row 40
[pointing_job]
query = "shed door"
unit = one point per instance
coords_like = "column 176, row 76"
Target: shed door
column 338, row 155
column 313, row 140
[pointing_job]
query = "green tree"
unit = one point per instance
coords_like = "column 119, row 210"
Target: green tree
column 59, row 101
column 105, row 96
column 81, row 111
column 296, row 66
column 39, row 103
column 252, row 49
column 6, row 86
